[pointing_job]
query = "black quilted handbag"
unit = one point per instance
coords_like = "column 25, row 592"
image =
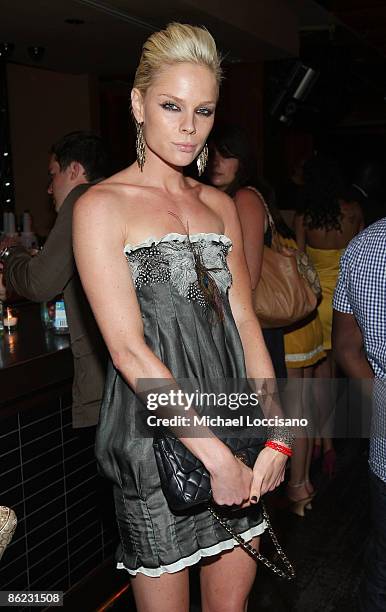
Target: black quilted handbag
column 184, row 479
column 185, row 483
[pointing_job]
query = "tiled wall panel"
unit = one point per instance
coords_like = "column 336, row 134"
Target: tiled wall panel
column 48, row 475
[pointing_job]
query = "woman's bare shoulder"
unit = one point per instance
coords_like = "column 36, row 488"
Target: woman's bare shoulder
column 109, row 197
column 249, row 192
column 248, row 197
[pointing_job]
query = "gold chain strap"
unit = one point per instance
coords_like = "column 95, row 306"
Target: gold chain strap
column 288, row 575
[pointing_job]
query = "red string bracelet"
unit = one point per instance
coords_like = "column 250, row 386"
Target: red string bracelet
column 279, row 447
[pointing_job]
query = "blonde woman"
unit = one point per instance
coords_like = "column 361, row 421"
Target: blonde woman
column 141, row 277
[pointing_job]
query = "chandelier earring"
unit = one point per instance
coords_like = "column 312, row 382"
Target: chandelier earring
column 140, row 145
column 202, row 160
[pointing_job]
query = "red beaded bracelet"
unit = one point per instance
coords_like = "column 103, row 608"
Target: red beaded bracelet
column 279, row 447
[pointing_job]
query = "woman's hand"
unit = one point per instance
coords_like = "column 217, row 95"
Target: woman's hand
column 268, row 472
column 231, row 482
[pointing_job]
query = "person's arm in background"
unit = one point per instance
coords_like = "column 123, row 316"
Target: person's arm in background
column 42, row 277
column 349, row 354
column 300, row 232
column 347, row 338
column 347, row 342
column 252, row 217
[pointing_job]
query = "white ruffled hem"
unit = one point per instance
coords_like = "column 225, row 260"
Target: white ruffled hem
column 221, row 238
column 195, row 557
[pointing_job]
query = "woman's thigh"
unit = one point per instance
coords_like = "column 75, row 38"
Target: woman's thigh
column 168, row 593
column 227, row 579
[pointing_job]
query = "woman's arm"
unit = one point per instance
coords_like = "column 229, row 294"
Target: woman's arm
column 240, row 296
column 252, row 218
column 99, row 235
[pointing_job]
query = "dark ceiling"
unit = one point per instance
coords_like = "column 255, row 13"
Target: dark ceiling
column 104, row 37
column 367, row 18
column 344, row 39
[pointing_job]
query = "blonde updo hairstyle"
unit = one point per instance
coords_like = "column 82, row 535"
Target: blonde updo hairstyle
column 178, row 43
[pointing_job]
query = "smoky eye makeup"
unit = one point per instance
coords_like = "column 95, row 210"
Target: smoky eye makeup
column 206, row 112
column 174, row 106
column 170, row 106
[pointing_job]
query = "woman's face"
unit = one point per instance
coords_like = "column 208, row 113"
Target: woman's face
column 222, row 170
column 177, row 112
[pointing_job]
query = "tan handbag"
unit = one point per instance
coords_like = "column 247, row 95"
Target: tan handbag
column 289, row 288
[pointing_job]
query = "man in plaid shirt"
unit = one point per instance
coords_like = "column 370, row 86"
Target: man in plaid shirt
column 359, row 343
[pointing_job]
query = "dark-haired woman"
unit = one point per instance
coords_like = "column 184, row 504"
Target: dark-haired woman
column 232, row 170
column 329, row 218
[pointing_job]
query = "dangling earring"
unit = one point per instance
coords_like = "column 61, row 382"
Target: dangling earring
column 140, row 146
column 202, row 160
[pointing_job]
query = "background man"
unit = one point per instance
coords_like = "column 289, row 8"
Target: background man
column 359, row 341
column 77, row 161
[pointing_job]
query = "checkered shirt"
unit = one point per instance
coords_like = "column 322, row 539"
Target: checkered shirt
column 361, row 291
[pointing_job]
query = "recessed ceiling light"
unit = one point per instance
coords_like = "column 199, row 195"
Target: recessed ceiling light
column 74, row 21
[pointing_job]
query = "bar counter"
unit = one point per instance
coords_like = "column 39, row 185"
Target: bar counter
column 32, row 358
column 48, row 472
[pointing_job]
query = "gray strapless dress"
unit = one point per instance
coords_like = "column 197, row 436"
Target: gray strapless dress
column 153, row 539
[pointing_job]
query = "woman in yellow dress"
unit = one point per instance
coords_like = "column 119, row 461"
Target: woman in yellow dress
column 328, row 220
